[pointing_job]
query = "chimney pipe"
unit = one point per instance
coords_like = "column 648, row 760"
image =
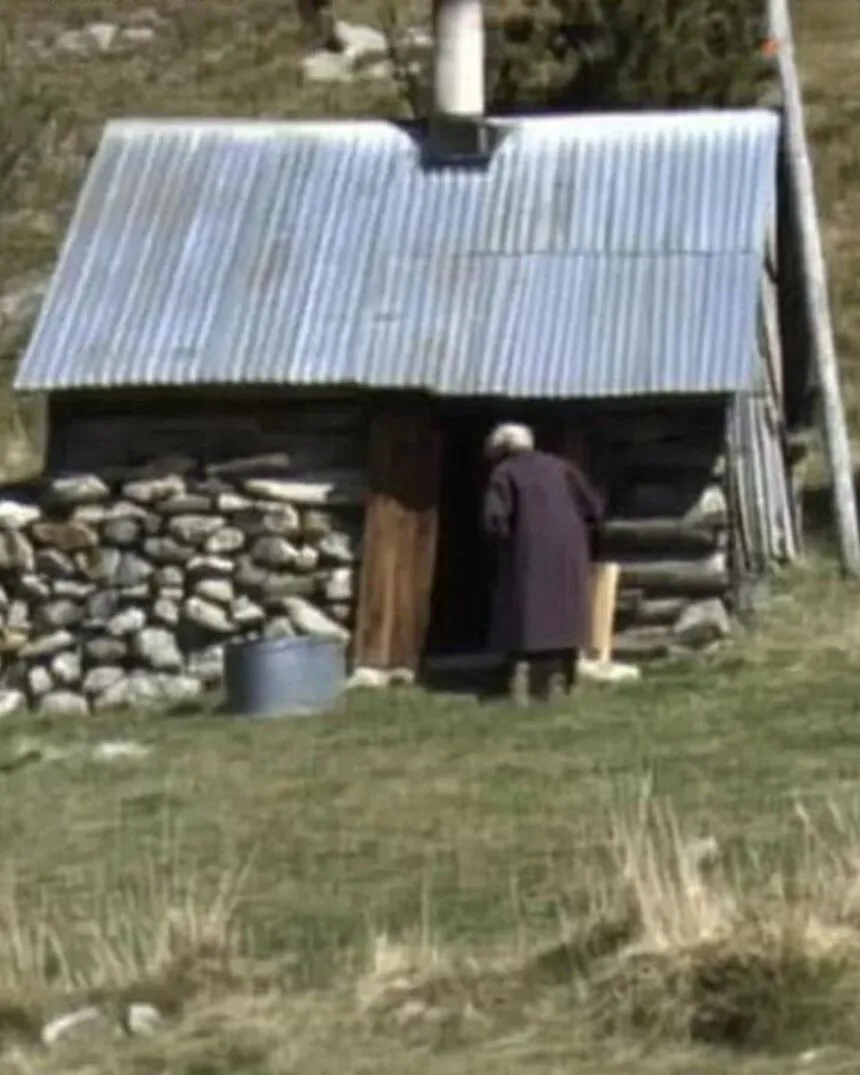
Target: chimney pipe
column 458, row 60
column 457, row 126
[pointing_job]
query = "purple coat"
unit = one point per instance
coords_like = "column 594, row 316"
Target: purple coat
column 537, row 514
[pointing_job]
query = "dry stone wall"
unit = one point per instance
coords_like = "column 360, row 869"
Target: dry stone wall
column 124, row 589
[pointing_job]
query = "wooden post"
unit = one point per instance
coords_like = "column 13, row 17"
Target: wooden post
column 802, row 188
column 399, row 540
column 458, row 58
column 604, row 596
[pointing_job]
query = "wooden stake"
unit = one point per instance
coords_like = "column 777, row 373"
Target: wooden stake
column 802, row 187
column 604, row 595
column 399, row 540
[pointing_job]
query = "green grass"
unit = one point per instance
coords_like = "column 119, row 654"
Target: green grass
column 430, row 855
column 830, row 70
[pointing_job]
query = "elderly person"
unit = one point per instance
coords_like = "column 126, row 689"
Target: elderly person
column 538, row 511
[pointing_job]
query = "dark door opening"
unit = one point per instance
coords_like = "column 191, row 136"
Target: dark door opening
column 465, row 567
column 460, row 604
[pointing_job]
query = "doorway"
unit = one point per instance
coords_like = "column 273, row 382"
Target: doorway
column 427, row 573
column 464, row 568
column 463, row 576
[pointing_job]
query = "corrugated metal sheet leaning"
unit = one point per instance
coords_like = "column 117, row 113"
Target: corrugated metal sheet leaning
column 596, row 257
column 767, row 522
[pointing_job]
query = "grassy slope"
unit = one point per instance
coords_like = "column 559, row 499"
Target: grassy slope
column 830, row 67
column 214, row 58
column 438, row 823
column 478, row 830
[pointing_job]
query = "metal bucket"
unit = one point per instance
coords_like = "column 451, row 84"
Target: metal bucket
column 283, row 677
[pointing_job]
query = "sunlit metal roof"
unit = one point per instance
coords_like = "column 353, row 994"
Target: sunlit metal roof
column 595, row 256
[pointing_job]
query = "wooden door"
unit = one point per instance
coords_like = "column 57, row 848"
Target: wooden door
column 399, row 547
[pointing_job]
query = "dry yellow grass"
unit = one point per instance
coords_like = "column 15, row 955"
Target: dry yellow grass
column 666, row 879
column 671, row 952
column 155, row 940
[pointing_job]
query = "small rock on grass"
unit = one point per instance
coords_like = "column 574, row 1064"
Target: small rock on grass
column 594, row 671
column 368, row 678
column 120, row 750
column 702, row 853
column 142, row 1020
column 72, row 1023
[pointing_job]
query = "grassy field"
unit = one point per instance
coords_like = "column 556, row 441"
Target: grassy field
column 422, row 883
column 429, row 884
column 830, row 68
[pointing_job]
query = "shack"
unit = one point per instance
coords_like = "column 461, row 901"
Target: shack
column 327, row 292
column 272, row 351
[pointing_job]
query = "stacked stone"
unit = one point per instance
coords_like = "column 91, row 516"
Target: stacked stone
column 123, row 590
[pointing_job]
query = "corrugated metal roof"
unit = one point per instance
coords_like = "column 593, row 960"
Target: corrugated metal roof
column 595, row 256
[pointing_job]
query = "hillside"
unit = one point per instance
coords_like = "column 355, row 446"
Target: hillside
column 67, row 68
column 829, row 54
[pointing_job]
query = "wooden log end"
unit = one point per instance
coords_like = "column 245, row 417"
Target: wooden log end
column 708, row 576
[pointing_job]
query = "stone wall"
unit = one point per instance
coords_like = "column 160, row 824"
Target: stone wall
column 123, row 586
column 123, row 589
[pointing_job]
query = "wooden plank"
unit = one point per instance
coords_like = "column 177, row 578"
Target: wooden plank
column 772, row 339
column 604, row 594
column 659, row 611
column 427, row 468
column 400, row 540
column 667, row 536
column 709, row 576
column 375, row 610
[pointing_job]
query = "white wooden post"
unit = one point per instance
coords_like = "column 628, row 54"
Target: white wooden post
column 458, row 58
column 802, row 187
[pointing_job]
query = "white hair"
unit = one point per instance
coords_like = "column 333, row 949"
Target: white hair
column 510, row 438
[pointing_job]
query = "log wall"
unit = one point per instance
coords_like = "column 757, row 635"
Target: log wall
column 668, row 525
